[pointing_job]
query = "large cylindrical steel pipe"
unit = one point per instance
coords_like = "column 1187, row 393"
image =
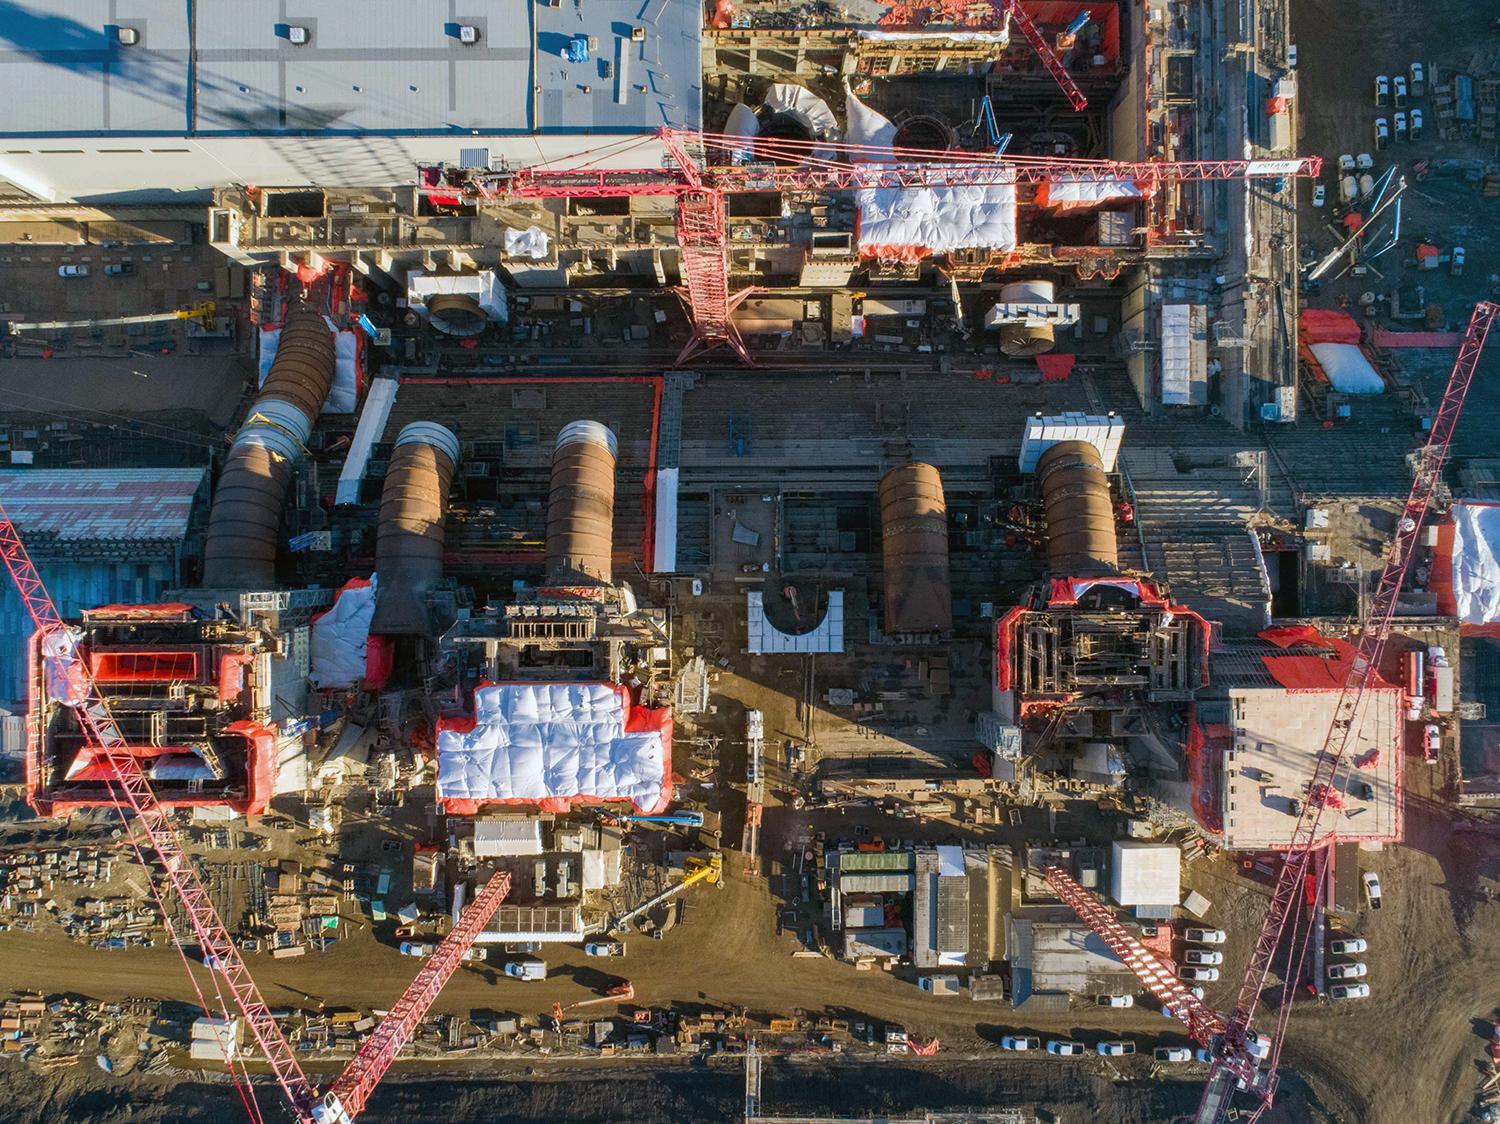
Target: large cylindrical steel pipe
column 240, row 549
column 1023, row 339
column 914, row 542
column 1080, row 517
column 581, row 506
column 409, row 536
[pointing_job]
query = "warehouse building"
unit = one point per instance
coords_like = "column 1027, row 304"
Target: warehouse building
column 185, row 98
column 98, row 537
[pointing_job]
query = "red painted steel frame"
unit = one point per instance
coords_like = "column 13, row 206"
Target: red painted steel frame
column 944, row 170
column 1044, row 52
column 216, row 946
column 700, row 188
column 1202, row 1021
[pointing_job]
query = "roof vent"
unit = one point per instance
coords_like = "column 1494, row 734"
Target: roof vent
column 127, row 36
column 468, row 33
column 297, row 35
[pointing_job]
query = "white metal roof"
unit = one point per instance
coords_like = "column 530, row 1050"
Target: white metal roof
column 386, row 70
column 100, row 504
column 765, row 637
column 507, row 837
column 1104, row 432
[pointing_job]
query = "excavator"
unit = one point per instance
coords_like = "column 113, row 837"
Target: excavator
column 680, row 819
column 708, row 869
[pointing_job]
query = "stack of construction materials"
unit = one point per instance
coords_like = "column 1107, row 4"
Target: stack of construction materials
column 215, row 1040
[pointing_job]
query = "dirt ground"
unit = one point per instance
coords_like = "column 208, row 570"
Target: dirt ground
column 726, row 953
column 1413, row 1051
column 1340, row 54
column 1343, row 1062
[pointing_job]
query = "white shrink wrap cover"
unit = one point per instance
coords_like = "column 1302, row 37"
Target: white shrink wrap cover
column 552, row 744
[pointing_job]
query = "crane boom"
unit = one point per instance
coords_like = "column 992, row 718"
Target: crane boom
column 622, row 993
column 1239, row 1053
column 346, row 1098
column 1013, row 9
column 705, row 167
column 353, row 1087
column 1307, row 853
column 100, row 730
column 706, row 161
column 711, row 871
column 1202, row 1021
column 203, row 313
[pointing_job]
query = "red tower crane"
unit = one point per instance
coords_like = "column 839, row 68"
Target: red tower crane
column 1203, row 1022
column 151, row 817
column 1245, row 1059
column 708, row 166
column 346, row 1097
column 1307, row 853
column 352, row 1088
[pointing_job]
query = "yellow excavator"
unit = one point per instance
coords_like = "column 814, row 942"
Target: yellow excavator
column 203, row 313
column 709, row 869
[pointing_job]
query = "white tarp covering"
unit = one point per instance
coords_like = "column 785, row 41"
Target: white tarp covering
column 1066, row 192
column 904, row 223
column 1347, row 368
column 483, row 286
column 880, row 36
column 742, row 123
column 377, row 411
column 343, row 396
column 593, row 874
column 291, row 766
column 1476, row 562
column 340, row 637
column 534, row 742
column 63, row 671
column 805, row 106
column 528, row 243
column 869, row 129
column 1145, row 873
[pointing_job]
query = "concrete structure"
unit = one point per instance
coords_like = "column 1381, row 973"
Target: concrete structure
column 1279, row 724
column 206, row 696
column 1051, row 961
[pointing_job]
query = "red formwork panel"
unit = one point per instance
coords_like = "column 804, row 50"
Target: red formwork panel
column 143, row 666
